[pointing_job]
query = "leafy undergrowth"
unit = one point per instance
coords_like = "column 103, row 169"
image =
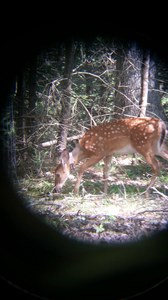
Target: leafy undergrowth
column 124, row 214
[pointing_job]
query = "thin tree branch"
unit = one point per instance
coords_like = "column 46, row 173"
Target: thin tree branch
column 87, row 112
column 106, row 84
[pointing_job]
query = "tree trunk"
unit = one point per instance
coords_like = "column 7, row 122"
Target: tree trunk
column 154, row 93
column 144, row 92
column 128, row 81
column 32, row 84
column 31, row 122
column 19, row 105
column 66, row 97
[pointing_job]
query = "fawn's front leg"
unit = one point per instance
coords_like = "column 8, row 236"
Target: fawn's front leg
column 90, row 162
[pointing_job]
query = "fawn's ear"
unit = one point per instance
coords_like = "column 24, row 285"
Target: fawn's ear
column 64, row 157
column 71, row 159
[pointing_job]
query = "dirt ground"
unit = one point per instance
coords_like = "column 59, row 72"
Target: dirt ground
column 124, row 214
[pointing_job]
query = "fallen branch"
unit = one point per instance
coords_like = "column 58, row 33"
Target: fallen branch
column 53, row 142
column 50, row 143
column 159, row 193
column 150, row 211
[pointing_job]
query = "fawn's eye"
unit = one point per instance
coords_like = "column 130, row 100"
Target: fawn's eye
column 57, row 175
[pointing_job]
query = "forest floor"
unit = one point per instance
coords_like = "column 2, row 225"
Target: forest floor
column 124, row 214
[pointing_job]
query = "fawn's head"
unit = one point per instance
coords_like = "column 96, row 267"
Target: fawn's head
column 62, row 170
